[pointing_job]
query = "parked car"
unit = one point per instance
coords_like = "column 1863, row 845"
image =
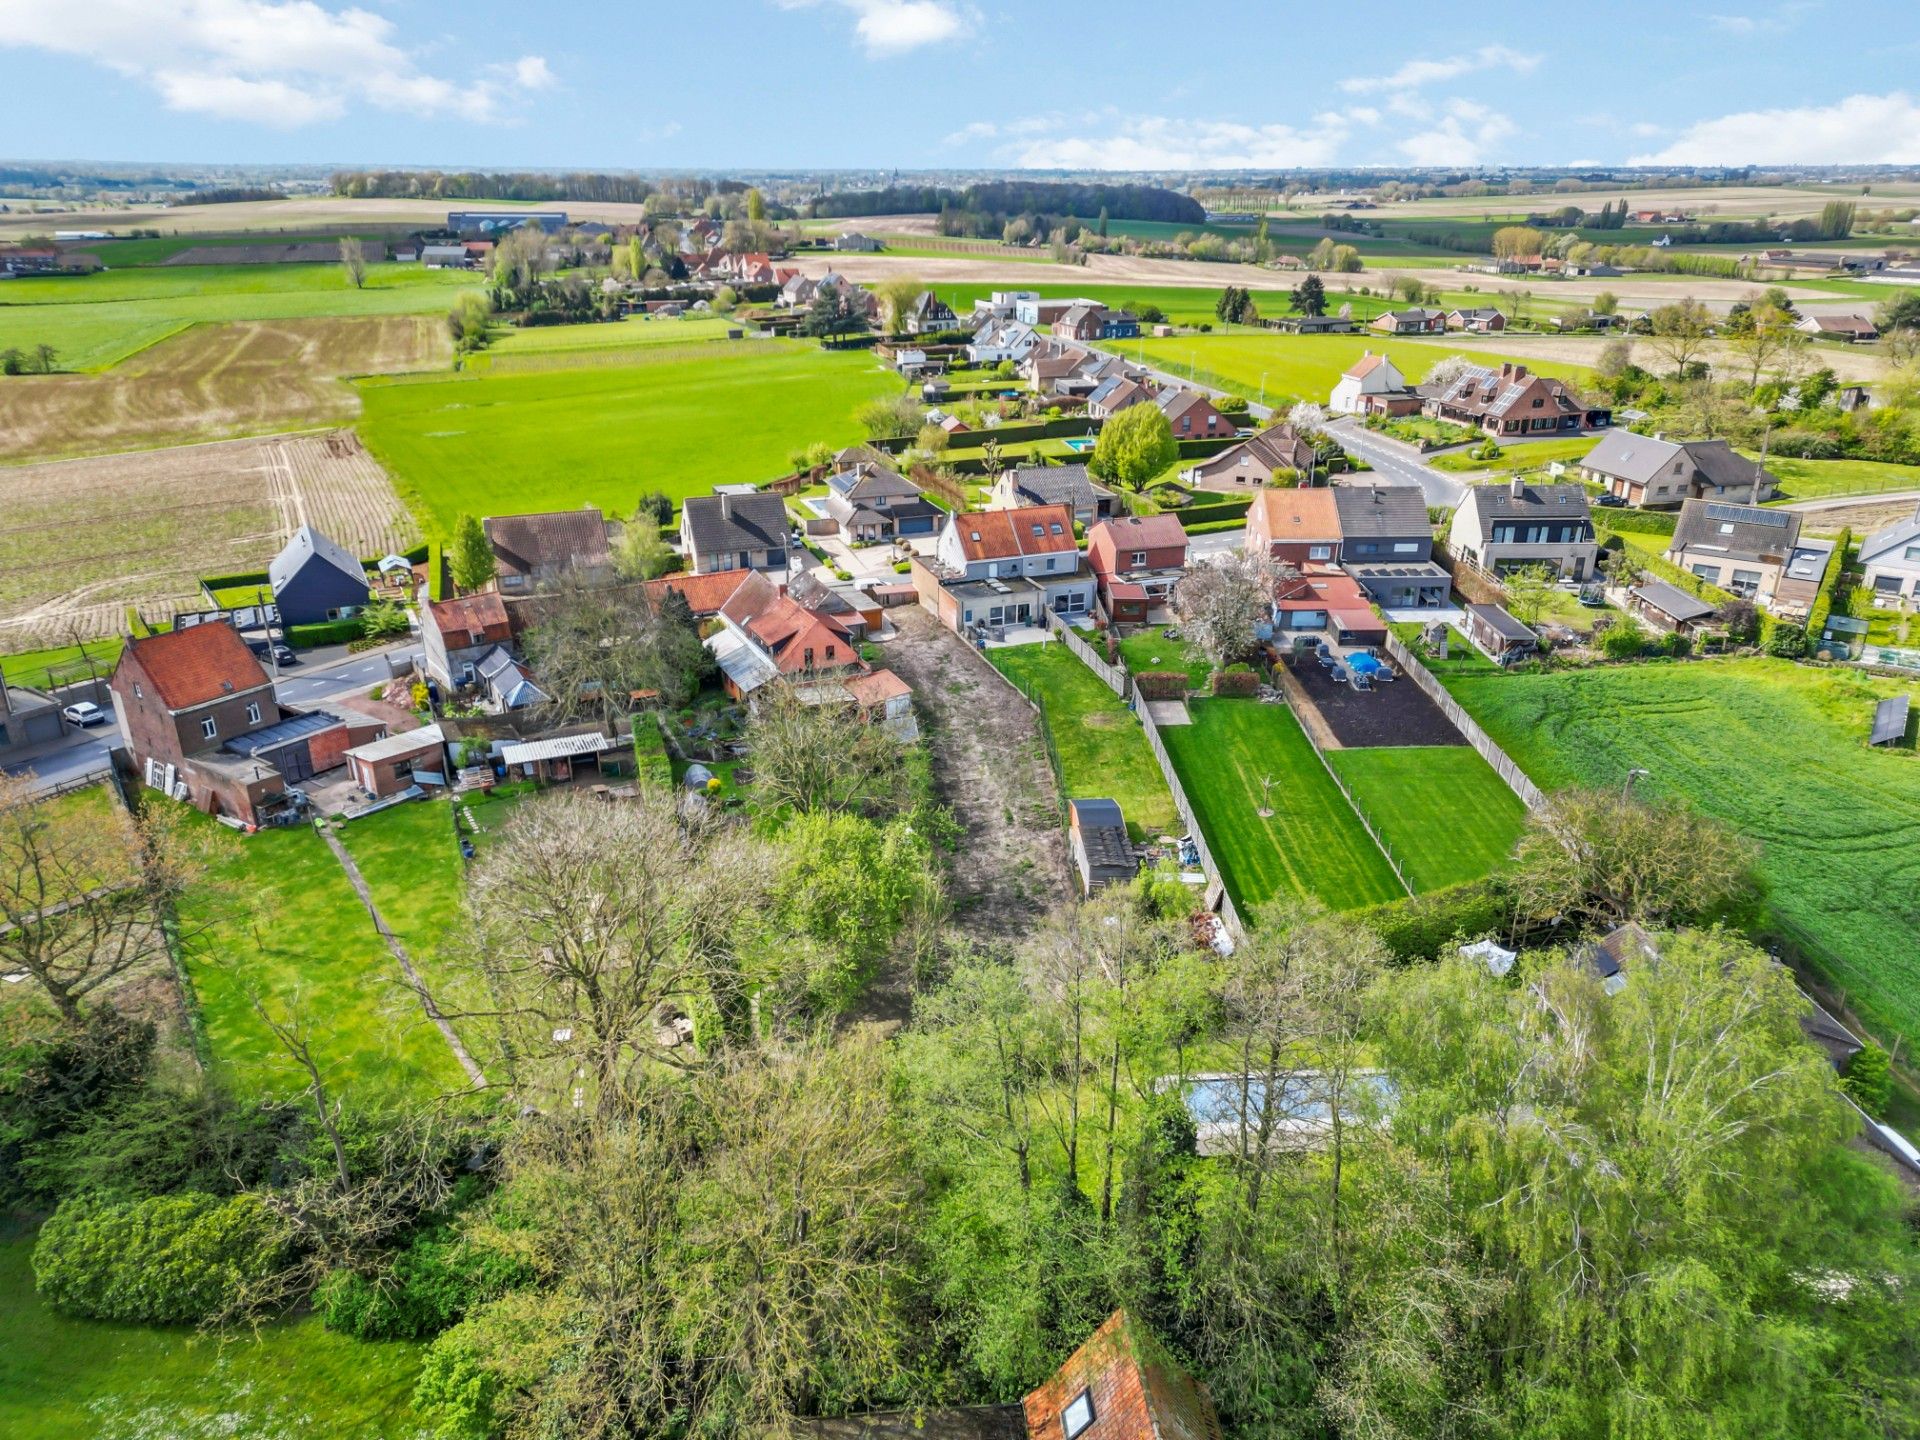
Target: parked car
column 84, row 712
column 1607, row 500
column 282, row 654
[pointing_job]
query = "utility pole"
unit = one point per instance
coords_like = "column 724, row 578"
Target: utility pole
column 1760, row 466
column 1626, row 791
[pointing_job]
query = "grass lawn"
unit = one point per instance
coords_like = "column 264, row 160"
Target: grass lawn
column 1149, row 649
column 1529, row 455
column 94, row 321
column 63, row 663
column 1776, row 750
column 1446, row 815
column 1312, row 846
column 1301, row 366
column 1102, row 748
column 278, row 916
column 613, row 335
column 61, row 1378
column 498, row 444
column 1563, row 607
column 1816, row 479
column 1462, row 658
column 1415, row 428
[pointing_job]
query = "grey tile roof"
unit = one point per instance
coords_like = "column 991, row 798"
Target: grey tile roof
column 1736, row 531
column 1672, row 600
column 1381, row 510
column 1631, row 457
column 1055, row 484
column 1896, row 536
column 718, row 523
column 308, row 544
column 1492, row 503
column 555, row 540
column 1496, row 619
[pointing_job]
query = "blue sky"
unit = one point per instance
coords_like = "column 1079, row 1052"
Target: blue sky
column 1125, row 84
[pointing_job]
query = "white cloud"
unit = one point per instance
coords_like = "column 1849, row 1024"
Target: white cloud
column 1416, row 73
column 893, row 27
column 1734, row 24
column 1774, row 22
column 284, row 63
column 1159, row 142
column 1465, row 133
column 1859, row 130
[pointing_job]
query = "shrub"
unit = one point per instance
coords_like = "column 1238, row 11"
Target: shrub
column 169, row 1260
column 1237, row 680
column 1623, row 640
column 456, row 1390
column 1788, row 642
column 1425, row 927
column 326, row 632
column 1869, row 1080
column 1162, row 684
column 431, row 1285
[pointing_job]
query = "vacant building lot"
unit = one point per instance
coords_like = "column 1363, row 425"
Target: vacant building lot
column 1777, row 751
column 499, row 444
column 1312, row 846
column 214, row 381
column 80, row 540
column 1100, row 744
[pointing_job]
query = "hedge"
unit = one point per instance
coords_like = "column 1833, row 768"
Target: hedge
column 167, row 1260
column 1641, row 522
column 1237, row 680
column 1214, row 527
column 1162, row 684
column 327, row 632
column 1426, row 927
column 1829, row 584
column 1212, row 510
column 650, row 752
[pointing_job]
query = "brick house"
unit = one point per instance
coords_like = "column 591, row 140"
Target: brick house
column 1296, row 527
column 456, row 635
column 734, row 532
column 1416, row 321
column 1114, row 394
column 1752, row 551
column 1192, row 415
column 1655, row 473
column 1479, row 319
column 387, row 766
column 1252, row 462
column 993, row 568
column 1512, row 401
column 1136, row 561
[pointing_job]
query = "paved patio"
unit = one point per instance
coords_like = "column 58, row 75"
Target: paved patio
column 1169, row 712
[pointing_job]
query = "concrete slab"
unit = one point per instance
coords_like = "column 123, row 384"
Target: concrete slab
column 1021, row 635
column 1451, row 614
column 1169, row 712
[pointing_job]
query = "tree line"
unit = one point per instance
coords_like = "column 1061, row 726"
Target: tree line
column 1005, row 198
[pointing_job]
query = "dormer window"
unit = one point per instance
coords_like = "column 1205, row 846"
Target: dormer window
column 1078, row 1415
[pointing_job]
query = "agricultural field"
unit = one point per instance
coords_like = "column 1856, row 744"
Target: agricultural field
column 214, row 382
column 493, row 444
column 95, row 321
column 1777, row 751
column 1447, row 816
column 1304, row 366
column 1819, row 479
column 1102, row 748
column 61, row 1377
column 1311, row 847
column 632, row 333
column 278, row 917
column 80, row 540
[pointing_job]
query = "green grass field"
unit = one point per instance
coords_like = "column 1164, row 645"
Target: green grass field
column 1312, row 846
column 499, row 444
column 1103, row 751
column 1531, row 455
column 1447, row 817
column 95, row 321
column 61, row 1378
column 1299, row 366
column 285, row 923
column 1776, row 750
column 63, row 663
column 1815, row 479
column 632, row 333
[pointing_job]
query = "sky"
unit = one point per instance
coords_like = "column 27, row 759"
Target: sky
column 957, row 84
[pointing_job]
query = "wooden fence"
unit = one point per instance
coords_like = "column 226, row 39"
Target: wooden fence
column 1228, row 913
column 1112, row 677
column 1502, row 763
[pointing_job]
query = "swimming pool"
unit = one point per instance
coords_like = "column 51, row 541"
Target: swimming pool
column 1081, row 447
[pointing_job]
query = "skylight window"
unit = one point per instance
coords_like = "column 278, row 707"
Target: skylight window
column 1078, row 1414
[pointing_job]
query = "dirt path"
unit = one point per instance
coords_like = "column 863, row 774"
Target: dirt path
column 1011, row 867
column 475, row 1074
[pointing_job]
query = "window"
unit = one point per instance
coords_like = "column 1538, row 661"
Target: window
column 1186, row 422
column 138, row 693
column 253, row 714
column 1887, row 584
column 806, row 657
column 1406, row 547
column 1913, row 553
column 1368, row 547
column 1319, row 552
column 1139, row 557
column 208, row 729
column 1078, row 1414
column 1708, row 573
column 829, row 652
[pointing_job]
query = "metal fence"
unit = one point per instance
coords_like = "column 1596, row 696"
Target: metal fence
column 1359, row 810
column 1114, row 678
column 1502, row 763
column 1228, row 912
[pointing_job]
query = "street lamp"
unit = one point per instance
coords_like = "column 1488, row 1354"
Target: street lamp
column 1263, row 389
column 1626, row 791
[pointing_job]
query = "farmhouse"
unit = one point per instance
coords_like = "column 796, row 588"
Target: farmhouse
column 1191, row 414
column 1479, row 319
column 1506, row 527
column 456, row 635
column 531, row 552
column 1136, row 560
column 1097, row 836
column 1297, row 527
column 994, row 568
column 871, row 502
column 1254, row 460
column 1068, row 485
column 1891, row 559
column 1753, row 552
column 1372, row 384
column 1838, row 327
column 1386, row 545
column 734, row 532
column 1416, row 321
column 1656, row 473
column 1511, row 401
column 315, row 580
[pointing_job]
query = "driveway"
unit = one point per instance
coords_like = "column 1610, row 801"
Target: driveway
column 1399, row 463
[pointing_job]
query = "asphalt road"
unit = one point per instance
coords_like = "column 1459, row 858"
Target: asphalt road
column 1395, row 462
column 86, row 750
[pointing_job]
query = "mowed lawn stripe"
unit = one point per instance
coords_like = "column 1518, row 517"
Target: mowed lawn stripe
column 1102, row 748
column 1312, row 846
column 503, row 444
column 1447, row 815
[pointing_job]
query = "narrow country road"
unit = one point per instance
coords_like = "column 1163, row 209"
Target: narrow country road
column 1849, row 502
column 1398, row 463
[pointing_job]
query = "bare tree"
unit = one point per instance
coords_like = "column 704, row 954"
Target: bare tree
column 820, row 757
column 1680, row 332
column 1447, row 370
column 353, row 260
column 591, row 646
column 592, row 921
column 1220, row 603
column 84, row 889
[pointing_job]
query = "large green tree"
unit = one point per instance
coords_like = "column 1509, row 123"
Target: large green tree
column 1134, row 446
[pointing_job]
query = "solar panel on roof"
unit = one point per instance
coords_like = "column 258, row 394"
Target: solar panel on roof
column 1747, row 515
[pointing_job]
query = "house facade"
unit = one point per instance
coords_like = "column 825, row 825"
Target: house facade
column 1478, row 320
column 735, row 532
column 1370, row 381
column 929, row 315
column 1416, row 321
column 1891, row 559
column 871, row 502
column 1295, row 527
column 1507, row 527
column 1192, row 415
column 455, row 635
column 532, row 552
column 996, row 568
column 1386, row 545
column 1751, row 551
column 1655, row 473
column 1136, row 561
column 315, row 580
column 1512, row 401
column 1252, row 462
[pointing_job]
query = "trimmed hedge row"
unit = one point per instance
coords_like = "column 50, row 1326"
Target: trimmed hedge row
column 1427, row 927
column 1162, row 684
column 327, row 632
column 1191, row 515
column 1640, row 522
column 1829, row 585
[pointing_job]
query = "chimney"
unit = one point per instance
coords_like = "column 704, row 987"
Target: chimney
column 1659, row 434
column 1506, row 369
column 1517, row 488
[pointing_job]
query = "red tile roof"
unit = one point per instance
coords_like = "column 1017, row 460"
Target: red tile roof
column 870, row 691
column 1005, row 534
column 200, row 663
column 704, row 594
column 459, row 621
column 1134, row 1388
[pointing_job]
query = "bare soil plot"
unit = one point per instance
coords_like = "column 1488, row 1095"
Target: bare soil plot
column 1011, row 865
column 213, row 381
column 304, row 215
column 80, row 540
column 1848, row 365
column 1395, row 713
